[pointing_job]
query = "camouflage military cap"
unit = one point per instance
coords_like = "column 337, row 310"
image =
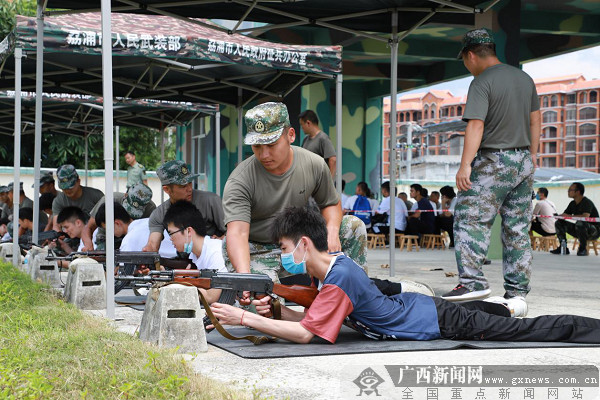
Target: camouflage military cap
column 3, row 189
column 12, row 185
column 265, row 123
column 45, row 177
column 476, row 36
column 67, row 176
column 176, row 172
column 138, row 197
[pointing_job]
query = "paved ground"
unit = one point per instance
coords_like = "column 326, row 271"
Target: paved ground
column 560, row 284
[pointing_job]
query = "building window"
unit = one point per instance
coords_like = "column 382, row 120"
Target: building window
column 570, row 162
column 401, row 117
column 587, row 113
column 417, row 115
column 549, row 162
column 549, row 116
column 426, row 111
column 459, row 111
column 549, row 132
column 588, row 145
column 570, row 145
column 588, row 162
column 571, row 130
column 593, row 96
column 550, row 148
column 571, row 114
column 452, row 111
column 545, row 101
column 571, row 98
column 587, row 130
column 582, row 98
column 433, row 110
column 554, row 101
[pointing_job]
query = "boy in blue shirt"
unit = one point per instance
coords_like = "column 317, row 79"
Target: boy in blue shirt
column 347, row 296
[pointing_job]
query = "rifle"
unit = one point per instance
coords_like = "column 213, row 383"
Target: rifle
column 25, row 241
column 259, row 285
column 150, row 259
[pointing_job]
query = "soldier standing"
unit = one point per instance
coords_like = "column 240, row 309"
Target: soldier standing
column 496, row 170
column 136, row 173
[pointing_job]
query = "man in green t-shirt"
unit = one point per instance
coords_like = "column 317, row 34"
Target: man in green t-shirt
column 136, row 173
column 580, row 207
column 278, row 176
column 496, row 170
column 316, row 140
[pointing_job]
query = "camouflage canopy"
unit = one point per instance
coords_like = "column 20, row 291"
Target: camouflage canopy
column 77, row 114
column 165, row 58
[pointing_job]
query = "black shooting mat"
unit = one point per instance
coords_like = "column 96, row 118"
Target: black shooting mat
column 352, row 342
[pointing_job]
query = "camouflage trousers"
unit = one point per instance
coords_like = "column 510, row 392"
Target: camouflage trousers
column 265, row 258
column 501, row 182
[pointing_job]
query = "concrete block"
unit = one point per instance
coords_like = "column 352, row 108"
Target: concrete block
column 173, row 318
column 86, row 284
column 42, row 269
column 6, row 252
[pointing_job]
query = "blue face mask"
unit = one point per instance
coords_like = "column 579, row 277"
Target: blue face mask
column 290, row 265
column 537, row 196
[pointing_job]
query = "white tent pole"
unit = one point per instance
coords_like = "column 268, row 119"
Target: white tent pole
column 218, row 153
column 392, row 152
column 17, row 157
column 409, row 151
column 117, row 155
column 338, row 130
column 240, row 111
column 107, row 93
column 162, row 159
column 87, row 143
column 39, row 87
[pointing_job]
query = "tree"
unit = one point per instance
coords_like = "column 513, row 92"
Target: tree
column 9, row 9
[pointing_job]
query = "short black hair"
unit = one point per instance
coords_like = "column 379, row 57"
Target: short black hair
column 386, row 186
column 544, row 191
column 424, row 192
column 120, row 214
column 130, row 152
column 579, row 187
column 364, row 188
column 295, row 222
column 343, row 185
column 184, row 214
column 46, row 201
column 481, row 49
column 4, row 221
column 417, row 187
column 309, row 115
column 436, row 192
column 448, row 191
column 71, row 214
column 26, row 213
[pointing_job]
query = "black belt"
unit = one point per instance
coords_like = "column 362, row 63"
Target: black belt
column 490, row 150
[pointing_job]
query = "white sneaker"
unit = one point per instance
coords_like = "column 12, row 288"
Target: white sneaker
column 516, row 305
column 417, row 287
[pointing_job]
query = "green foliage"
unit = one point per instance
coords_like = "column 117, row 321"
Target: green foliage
column 9, row 9
column 59, row 149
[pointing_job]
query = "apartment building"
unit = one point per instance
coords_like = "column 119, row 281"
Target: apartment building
column 570, row 121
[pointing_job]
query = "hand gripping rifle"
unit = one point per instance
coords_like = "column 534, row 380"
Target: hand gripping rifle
column 232, row 284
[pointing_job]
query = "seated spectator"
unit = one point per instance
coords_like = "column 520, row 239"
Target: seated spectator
column 425, row 194
column 384, row 208
column 543, row 225
column 4, row 233
column 344, row 195
column 422, row 220
column 359, row 205
column 445, row 219
column 581, row 207
column 187, row 230
column 404, row 197
column 434, row 197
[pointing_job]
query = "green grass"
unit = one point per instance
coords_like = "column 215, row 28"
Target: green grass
column 51, row 350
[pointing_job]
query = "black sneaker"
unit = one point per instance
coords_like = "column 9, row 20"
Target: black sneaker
column 557, row 251
column 462, row 293
column 582, row 252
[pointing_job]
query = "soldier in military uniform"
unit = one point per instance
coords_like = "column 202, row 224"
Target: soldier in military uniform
column 138, row 204
column 176, row 178
column 4, row 208
column 277, row 176
column 24, row 202
column 73, row 193
column 496, row 171
column 136, row 173
column 47, row 184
